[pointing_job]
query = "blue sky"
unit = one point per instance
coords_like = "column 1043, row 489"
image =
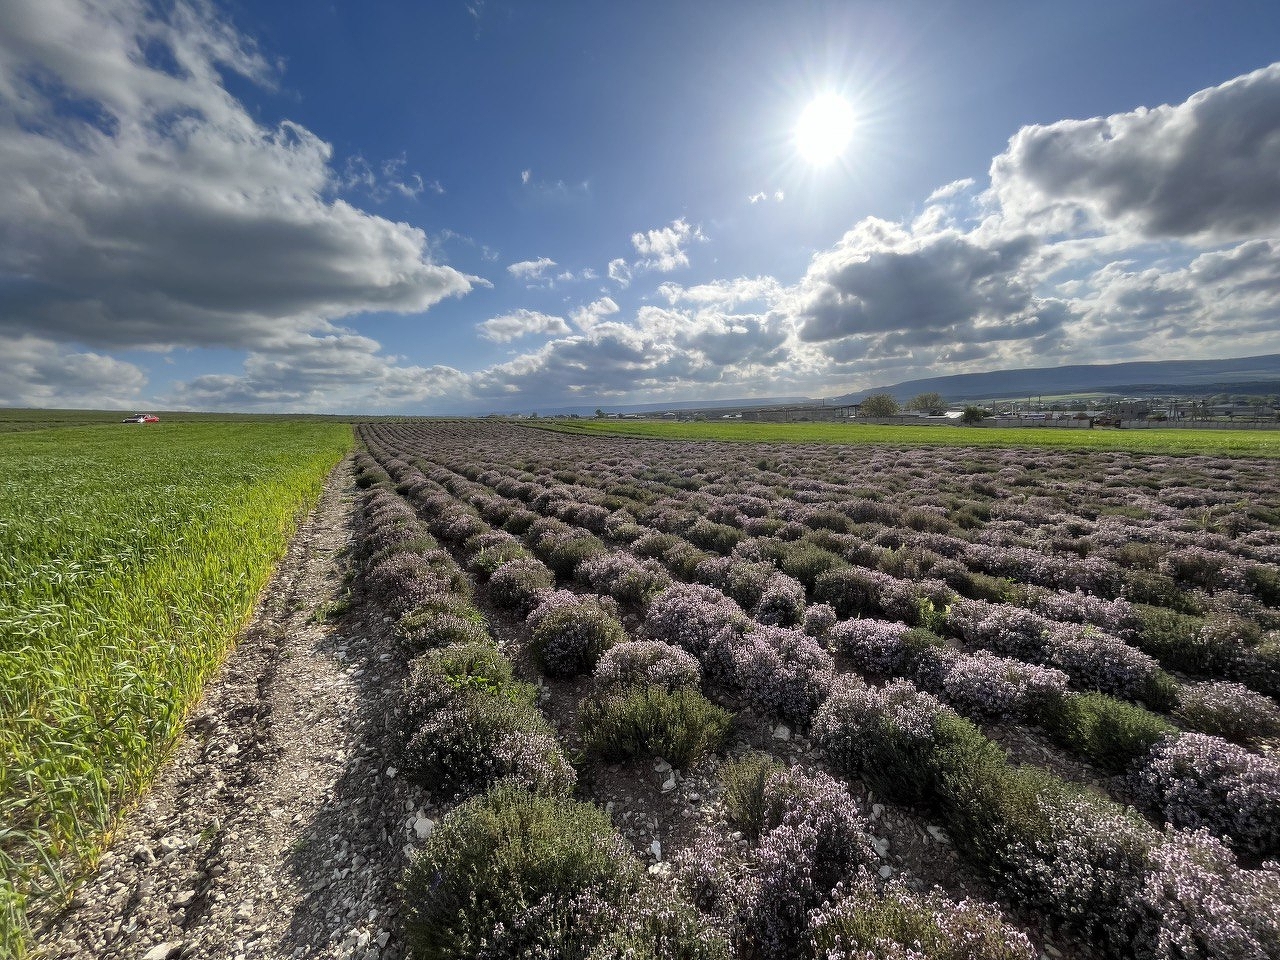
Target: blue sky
column 474, row 206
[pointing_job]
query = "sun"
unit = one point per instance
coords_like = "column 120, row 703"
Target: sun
column 824, row 128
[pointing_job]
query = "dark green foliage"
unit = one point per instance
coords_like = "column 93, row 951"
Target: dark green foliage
column 1179, row 641
column 541, row 876
column 654, row 544
column 682, row 559
column 1148, row 586
column 1110, row 732
column 806, row 562
column 680, row 726
column 744, row 782
column 718, row 537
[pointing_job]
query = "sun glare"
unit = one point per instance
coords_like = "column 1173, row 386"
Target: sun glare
column 824, row 128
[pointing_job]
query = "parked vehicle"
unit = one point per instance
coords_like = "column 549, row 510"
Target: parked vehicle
column 141, row 418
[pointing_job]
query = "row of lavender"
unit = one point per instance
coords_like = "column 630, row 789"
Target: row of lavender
column 888, row 516
column 1190, row 781
column 469, row 727
column 714, row 661
column 1194, row 781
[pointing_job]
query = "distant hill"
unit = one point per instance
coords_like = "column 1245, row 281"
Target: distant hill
column 1140, row 378
column 589, row 410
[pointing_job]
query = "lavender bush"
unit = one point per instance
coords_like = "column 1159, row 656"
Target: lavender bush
column 783, row 673
column 1228, row 710
column 1196, row 780
column 569, row 633
column 648, row 663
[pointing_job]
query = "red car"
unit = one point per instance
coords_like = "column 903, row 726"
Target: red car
column 142, row 418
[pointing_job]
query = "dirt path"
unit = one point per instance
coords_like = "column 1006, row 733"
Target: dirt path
column 280, row 827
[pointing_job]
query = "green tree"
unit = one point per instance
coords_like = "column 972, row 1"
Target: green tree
column 879, row 405
column 599, row 414
column 927, row 402
column 973, row 415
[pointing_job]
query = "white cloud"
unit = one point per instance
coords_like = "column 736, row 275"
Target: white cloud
column 530, row 269
column 158, row 211
column 521, row 323
column 1207, row 168
column 40, row 373
column 777, row 197
column 341, row 372
column 588, row 317
column 664, row 249
column 620, row 273
column 950, row 190
column 526, row 176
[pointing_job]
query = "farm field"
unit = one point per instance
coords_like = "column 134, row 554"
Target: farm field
column 130, row 556
column 762, row 699
column 1251, row 443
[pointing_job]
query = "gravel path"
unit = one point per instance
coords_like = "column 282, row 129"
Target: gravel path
column 279, row 828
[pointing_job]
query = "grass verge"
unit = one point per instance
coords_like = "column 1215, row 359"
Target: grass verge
column 130, row 557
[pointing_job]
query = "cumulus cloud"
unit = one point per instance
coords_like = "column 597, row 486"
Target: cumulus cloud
column 951, row 190
column 728, row 294
column 335, row 373
column 145, row 206
column 664, row 249
column 886, row 284
column 1207, row 168
column 620, row 272
column 530, row 269
column 39, row 373
column 589, row 316
column 520, row 323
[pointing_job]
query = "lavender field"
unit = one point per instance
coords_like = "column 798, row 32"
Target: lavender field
column 692, row 699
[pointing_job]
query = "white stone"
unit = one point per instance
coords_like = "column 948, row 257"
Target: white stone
column 670, row 783
column 661, row 766
column 882, row 846
column 886, row 872
column 161, row 950
column 782, row 732
column 656, row 849
column 938, row 834
column 423, row 826
column 391, row 772
column 876, row 810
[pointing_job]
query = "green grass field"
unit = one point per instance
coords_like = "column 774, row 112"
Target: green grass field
column 130, row 557
column 1252, row 443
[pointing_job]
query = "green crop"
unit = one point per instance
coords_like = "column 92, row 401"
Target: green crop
column 130, row 557
column 1249, row 443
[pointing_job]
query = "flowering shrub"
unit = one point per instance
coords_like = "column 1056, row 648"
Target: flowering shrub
column 648, row 663
column 569, row 633
column 885, row 734
column 469, row 725
column 986, row 686
column 510, row 872
column 870, row 920
column 998, row 627
column 783, row 672
column 1100, row 661
column 819, row 618
column 1198, row 781
column 814, row 840
column 403, row 581
column 441, row 620
column 710, row 872
column 875, row 647
column 852, row 591
column 1228, row 710
column 1196, row 902
column 782, row 603
column 691, row 617
column 517, row 583
column 623, row 577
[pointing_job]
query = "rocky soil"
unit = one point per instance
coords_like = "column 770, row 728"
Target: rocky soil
column 279, row 828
